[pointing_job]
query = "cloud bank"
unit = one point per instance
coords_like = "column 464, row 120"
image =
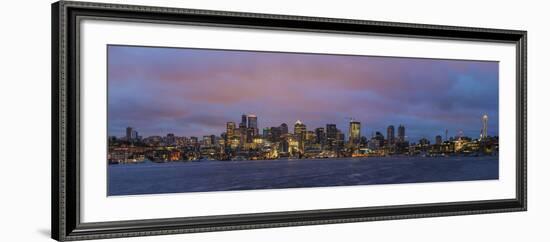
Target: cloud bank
column 194, row 92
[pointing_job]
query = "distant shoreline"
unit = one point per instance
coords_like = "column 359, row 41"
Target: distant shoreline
column 309, row 159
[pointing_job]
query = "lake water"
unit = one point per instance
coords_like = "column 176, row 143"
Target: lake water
column 154, row 178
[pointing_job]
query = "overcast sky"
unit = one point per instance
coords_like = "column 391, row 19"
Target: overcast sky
column 194, row 92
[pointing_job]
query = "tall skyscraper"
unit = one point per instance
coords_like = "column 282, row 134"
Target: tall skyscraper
column 284, row 129
column 253, row 123
column 299, row 128
column 230, row 129
column 331, row 131
column 283, row 146
column 250, row 133
column 484, row 121
column 401, row 133
column 340, row 137
column 131, row 134
column 320, row 135
column 378, row 136
column 266, row 133
column 331, row 134
column 242, row 129
column 243, row 120
column 275, row 134
column 300, row 133
column 354, row 132
column 390, row 135
column 310, row 137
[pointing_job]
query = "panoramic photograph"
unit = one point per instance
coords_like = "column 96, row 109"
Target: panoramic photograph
column 202, row 120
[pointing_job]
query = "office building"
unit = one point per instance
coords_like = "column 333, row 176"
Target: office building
column 401, row 133
column 320, row 135
column 390, row 135
column 230, row 129
column 354, row 132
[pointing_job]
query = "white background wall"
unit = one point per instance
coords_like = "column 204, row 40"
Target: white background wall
column 25, row 118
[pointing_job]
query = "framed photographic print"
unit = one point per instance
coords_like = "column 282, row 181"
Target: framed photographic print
column 171, row 120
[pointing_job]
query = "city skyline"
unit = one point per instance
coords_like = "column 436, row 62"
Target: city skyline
column 157, row 91
column 352, row 125
column 246, row 141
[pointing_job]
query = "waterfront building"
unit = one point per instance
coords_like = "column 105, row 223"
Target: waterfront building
column 293, row 146
column 234, row 142
column 284, row 129
column 364, row 140
column 275, row 133
column 174, row 155
column 243, row 120
column 253, row 123
column 206, row 141
column 170, row 139
column 378, row 136
column 459, row 144
column 242, row 129
column 131, row 134
column 283, row 146
column 213, row 139
column 374, row 144
column 438, row 140
column 258, row 142
column 340, row 138
column 390, row 135
column 310, row 137
column 266, row 132
column 354, row 132
column 401, row 133
column 300, row 133
column 193, row 140
column 135, row 136
column 182, row 141
column 447, row 147
column 331, row 134
column 230, row 129
column 250, row 133
column 320, row 135
column 152, row 140
column 222, row 140
column 424, row 141
column 299, row 128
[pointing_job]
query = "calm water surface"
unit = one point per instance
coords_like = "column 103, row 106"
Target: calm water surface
column 154, row 178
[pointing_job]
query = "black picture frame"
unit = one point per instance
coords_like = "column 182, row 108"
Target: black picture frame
column 66, row 223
